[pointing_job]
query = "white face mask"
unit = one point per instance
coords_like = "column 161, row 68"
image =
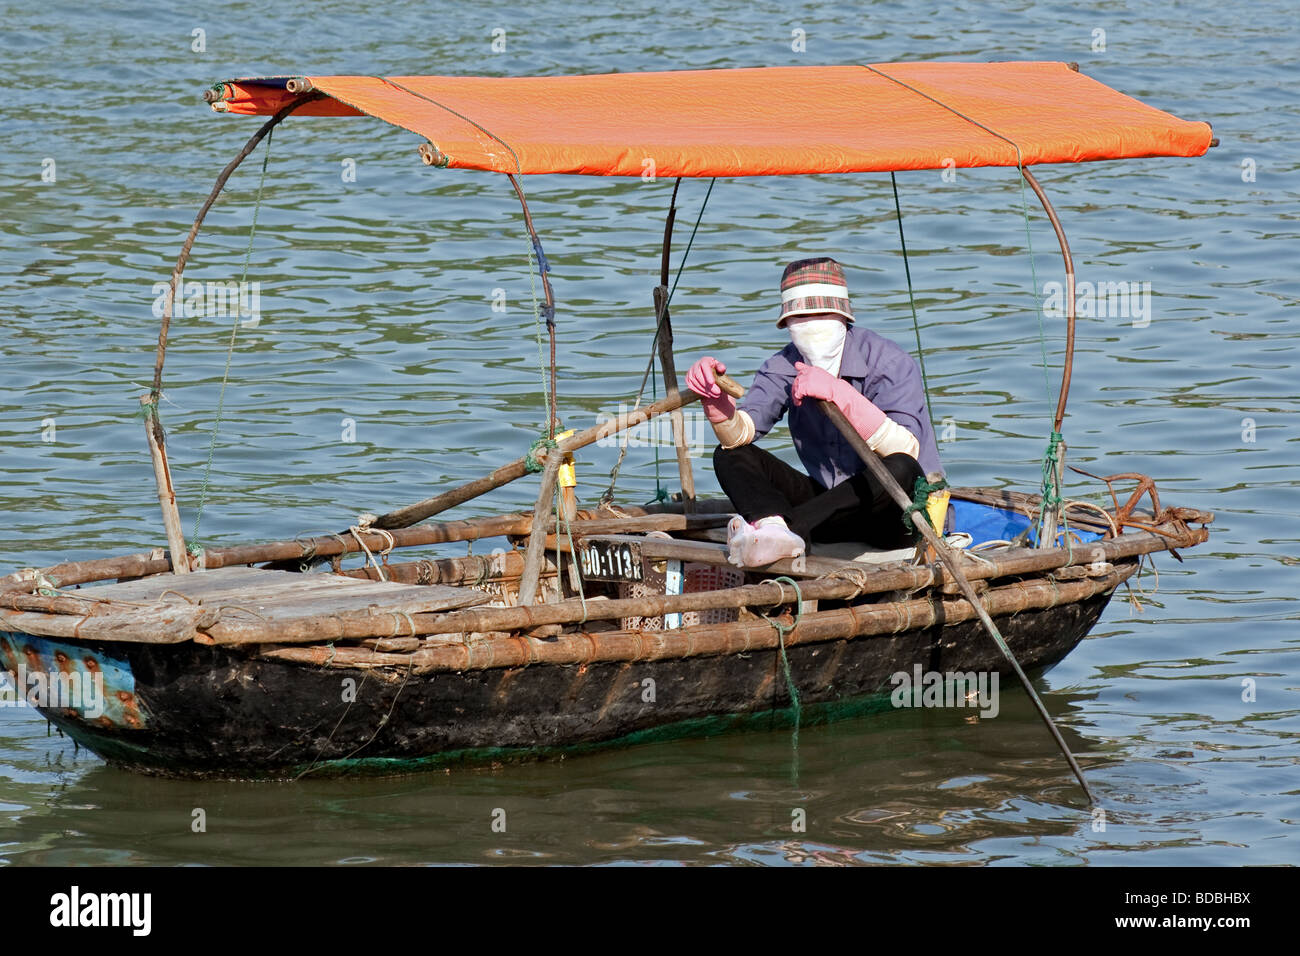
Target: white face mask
column 819, row 341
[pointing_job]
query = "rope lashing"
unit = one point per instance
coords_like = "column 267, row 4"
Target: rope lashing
column 543, row 267
column 1050, row 489
column 921, row 492
column 363, row 527
column 531, row 464
column 147, row 410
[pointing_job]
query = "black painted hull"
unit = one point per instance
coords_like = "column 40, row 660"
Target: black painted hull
column 211, row 711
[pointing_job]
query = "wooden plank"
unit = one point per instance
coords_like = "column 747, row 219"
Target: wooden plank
column 280, row 595
column 197, row 584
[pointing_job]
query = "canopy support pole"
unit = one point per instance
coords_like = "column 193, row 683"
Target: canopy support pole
column 1047, row 536
column 664, row 336
column 548, row 307
column 157, row 438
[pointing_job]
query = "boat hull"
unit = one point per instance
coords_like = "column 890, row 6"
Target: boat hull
column 196, row 710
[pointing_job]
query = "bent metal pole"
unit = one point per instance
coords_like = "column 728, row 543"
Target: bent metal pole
column 157, row 438
column 1068, row 366
column 1049, row 517
column 890, row 484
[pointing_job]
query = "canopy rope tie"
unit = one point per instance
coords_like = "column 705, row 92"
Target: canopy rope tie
column 782, row 630
column 195, row 547
column 608, row 496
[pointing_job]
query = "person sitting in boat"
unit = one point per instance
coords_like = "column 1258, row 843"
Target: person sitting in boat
column 877, row 385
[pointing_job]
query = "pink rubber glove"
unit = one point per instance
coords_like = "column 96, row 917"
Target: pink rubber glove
column 718, row 406
column 813, row 382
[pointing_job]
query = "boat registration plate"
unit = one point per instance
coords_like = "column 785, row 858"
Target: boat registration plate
column 610, row 560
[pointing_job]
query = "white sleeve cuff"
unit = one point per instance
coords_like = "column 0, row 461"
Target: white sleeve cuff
column 891, row 438
column 735, row 431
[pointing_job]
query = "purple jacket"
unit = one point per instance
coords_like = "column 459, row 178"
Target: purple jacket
column 876, row 367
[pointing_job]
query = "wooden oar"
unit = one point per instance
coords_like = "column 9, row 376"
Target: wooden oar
column 411, row 514
column 946, row 555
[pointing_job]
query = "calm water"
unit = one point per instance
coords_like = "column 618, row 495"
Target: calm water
column 376, row 299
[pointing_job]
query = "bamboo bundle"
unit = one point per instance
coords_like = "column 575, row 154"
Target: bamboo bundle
column 343, row 627
column 712, row 639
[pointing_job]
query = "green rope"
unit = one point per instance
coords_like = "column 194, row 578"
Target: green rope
column 782, row 630
column 911, row 298
column 921, row 491
column 195, row 547
column 531, row 464
column 1051, row 490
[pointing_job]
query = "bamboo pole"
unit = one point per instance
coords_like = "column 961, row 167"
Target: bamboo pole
column 153, row 423
column 420, row 510
column 411, row 514
column 144, row 565
column 166, row 492
column 537, row 535
column 466, row 571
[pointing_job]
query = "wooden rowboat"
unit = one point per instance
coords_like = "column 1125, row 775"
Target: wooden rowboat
column 603, row 625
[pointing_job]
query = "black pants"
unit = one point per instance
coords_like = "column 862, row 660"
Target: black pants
column 761, row 485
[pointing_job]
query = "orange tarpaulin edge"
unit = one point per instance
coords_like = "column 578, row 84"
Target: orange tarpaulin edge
column 753, row 122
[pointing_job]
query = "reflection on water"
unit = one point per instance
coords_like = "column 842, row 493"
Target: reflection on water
column 377, row 309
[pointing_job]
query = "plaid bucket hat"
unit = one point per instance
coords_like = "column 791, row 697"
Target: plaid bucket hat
column 809, row 286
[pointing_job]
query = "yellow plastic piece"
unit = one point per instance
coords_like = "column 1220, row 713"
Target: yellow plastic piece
column 567, row 476
column 936, row 506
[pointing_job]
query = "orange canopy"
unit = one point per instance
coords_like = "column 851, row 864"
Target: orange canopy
column 750, row 122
